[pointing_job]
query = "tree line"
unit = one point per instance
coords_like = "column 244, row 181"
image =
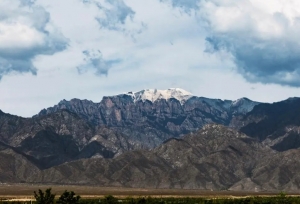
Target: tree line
column 69, row 197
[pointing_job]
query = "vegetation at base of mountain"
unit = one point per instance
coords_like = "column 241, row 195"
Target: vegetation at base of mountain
column 49, row 198
column 44, row 197
column 70, row 197
column 280, row 199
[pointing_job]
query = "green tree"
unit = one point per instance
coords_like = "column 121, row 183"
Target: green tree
column 110, row 199
column 68, row 198
column 44, row 197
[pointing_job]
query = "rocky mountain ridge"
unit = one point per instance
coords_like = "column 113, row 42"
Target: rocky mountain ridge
column 201, row 143
column 152, row 122
column 82, row 129
column 79, row 129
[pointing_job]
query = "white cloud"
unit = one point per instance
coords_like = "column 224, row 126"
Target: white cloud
column 25, row 32
column 116, row 15
column 94, row 60
column 168, row 53
column 185, row 5
column 260, row 36
column 16, row 36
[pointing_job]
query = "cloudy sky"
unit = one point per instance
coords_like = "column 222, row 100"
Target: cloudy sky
column 62, row 49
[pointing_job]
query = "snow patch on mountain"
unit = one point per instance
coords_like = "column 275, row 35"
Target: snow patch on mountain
column 243, row 105
column 155, row 94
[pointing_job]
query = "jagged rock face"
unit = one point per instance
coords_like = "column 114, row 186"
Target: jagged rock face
column 149, row 123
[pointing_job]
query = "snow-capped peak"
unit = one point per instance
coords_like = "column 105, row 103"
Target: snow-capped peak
column 156, row 94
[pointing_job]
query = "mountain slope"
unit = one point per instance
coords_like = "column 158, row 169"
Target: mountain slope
column 215, row 157
column 60, row 137
column 15, row 167
column 79, row 129
column 277, row 124
column 107, row 143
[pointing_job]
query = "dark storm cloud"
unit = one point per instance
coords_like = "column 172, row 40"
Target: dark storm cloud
column 94, row 60
column 263, row 43
column 18, row 65
column 268, row 61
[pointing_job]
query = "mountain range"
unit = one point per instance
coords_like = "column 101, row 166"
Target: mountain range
column 156, row 139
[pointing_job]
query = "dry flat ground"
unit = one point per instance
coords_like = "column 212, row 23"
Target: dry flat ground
column 25, row 191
